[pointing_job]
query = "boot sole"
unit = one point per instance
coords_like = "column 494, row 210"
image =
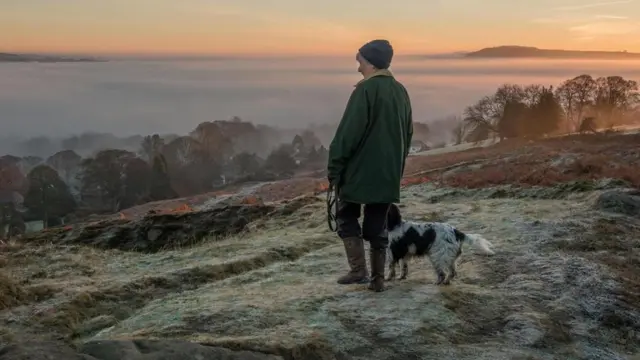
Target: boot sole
column 361, row 281
column 371, row 288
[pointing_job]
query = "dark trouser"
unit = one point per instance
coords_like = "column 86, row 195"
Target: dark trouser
column 374, row 223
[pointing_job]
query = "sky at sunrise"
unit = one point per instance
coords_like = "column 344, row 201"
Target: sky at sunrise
column 328, row 27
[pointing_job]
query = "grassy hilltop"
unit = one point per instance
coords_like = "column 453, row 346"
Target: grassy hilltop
column 253, row 276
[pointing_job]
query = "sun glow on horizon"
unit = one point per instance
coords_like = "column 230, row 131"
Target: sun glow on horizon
column 288, row 27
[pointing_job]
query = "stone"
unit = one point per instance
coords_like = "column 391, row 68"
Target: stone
column 111, row 350
column 166, row 350
column 95, row 324
column 41, row 350
column 154, row 234
column 620, row 202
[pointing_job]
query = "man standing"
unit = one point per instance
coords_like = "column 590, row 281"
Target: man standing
column 366, row 161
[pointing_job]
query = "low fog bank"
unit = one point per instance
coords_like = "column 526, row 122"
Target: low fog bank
column 87, row 144
column 434, row 134
column 114, row 105
column 171, row 97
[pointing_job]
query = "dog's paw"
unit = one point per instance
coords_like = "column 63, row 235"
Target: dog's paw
column 403, row 277
column 389, row 278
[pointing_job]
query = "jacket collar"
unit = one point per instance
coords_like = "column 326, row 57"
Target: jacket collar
column 384, row 72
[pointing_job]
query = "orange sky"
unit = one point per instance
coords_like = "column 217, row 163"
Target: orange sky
column 306, row 27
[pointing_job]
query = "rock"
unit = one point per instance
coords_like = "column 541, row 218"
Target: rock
column 111, row 350
column 126, row 350
column 619, row 201
column 45, row 350
column 95, row 324
column 165, row 350
column 154, row 234
column 161, row 231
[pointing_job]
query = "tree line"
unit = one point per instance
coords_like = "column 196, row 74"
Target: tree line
column 580, row 104
column 212, row 155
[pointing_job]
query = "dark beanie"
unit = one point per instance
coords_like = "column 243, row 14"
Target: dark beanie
column 378, row 53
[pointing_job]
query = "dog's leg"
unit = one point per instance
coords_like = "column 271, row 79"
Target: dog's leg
column 443, row 279
column 453, row 271
column 438, row 266
column 405, row 270
column 392, row 270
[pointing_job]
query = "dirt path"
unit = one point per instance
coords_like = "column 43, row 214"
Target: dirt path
column 554, row 290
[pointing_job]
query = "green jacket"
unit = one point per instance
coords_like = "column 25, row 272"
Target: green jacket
column 370, row 147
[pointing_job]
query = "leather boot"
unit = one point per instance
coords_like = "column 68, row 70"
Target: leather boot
column 378, row 258
column 354, row 249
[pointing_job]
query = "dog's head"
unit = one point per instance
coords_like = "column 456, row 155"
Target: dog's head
column 394, row 219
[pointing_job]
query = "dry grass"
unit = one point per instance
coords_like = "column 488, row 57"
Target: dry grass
column 288, row 189
column 14, row 294
column 614, row 243
column 540, row 170
column 541, row 163
column 11, row 294
column 125, row 298
column 123, row 284
column 615, row 235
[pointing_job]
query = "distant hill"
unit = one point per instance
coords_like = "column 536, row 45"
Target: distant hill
column 5, row 57
column 533, row 52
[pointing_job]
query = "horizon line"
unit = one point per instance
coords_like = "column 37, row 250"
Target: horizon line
column 209, row 55
column 244, row 55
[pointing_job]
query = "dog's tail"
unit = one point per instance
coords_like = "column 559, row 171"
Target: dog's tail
column 476, row 241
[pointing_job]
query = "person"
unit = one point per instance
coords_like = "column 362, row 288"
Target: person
column 366, row 161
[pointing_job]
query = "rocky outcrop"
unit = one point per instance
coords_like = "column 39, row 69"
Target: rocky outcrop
column 155, row 232
column 126, row 350
column 619, row 201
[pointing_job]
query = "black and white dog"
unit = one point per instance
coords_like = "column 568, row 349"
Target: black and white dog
column 441, row 242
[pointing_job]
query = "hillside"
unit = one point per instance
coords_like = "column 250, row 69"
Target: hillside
column 251, row 275
column 5, row 57
column 533, row 52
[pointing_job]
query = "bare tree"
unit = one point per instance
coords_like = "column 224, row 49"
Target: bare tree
column 151, row 146
column 531, row 94
column 488, row 111
column 585, row 88
column 576, row 96
column 459, row 132
column 615, row 96
column 214, row 141
column 481, row 114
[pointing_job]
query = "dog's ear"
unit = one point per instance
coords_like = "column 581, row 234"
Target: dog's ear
column 394, row 219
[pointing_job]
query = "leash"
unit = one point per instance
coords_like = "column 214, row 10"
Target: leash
column 332, row 207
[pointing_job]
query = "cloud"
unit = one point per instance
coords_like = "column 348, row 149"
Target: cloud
column 559, row 19
column 585, row 38
column 605, row 28
column 590, row 27
column 612, row 17
column 575, row 19
column 592, row 5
